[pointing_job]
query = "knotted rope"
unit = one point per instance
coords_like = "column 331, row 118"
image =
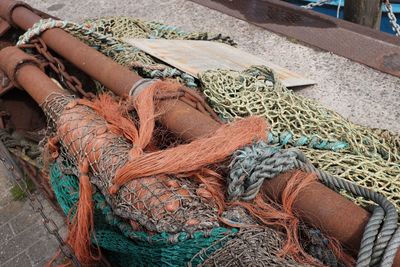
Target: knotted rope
column 252, row 165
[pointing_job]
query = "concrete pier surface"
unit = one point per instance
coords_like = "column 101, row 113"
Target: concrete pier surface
column 359, row 93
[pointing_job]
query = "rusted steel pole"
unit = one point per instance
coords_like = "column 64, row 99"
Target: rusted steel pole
column 112, row 75
column 317, row 205
column 334, row 214
column 25, row 72
column 79, row 54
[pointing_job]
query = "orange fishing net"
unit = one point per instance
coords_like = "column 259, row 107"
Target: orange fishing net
column 179, row 188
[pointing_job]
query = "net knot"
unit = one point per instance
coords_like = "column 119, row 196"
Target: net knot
column 52, row 145
column 84, row 167
column 72, row 104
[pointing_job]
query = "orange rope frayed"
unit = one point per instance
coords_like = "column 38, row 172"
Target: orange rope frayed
column 190, row 157
column 184, row 158
column 282, row 216
column 82, row 224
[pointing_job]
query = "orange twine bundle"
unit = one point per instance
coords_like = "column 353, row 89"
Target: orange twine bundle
column 82, row 224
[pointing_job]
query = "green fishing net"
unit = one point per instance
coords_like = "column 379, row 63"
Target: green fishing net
column 215, row 247
column 122, row 245
column 370, row 157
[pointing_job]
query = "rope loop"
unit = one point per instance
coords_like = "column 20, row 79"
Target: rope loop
column 251, row 165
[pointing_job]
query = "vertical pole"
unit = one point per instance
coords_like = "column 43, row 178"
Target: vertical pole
column 364, row 12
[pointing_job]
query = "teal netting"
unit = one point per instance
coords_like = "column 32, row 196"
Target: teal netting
column 126, row 247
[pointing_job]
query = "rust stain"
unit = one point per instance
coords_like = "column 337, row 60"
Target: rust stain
column 392, row 61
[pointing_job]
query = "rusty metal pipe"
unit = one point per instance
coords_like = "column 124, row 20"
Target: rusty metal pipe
column 82, row 56
column 112, row 75
column 347, row 225
column 24, row 71
column 317, row 204
column 32, row 79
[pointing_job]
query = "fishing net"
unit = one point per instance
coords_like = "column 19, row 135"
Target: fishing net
column 356, row 153
column 161, row 213
column 217, row 247
column 256, row 91
column 158, row 217
column 366, row 156
column 164, row 205
column 119, row 242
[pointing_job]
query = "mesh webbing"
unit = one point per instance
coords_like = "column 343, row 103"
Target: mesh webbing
column 124, row 246
column 256, row 92
column 366, row 156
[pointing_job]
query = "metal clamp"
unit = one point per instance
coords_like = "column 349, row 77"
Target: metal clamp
column 13, row 59
column 11, row 6
column 141, row 85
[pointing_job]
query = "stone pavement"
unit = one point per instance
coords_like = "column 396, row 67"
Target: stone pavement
column 24, row 241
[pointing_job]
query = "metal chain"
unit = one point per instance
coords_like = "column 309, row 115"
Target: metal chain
column 314, row 4
column 388, row 6
column 392, row 17
column 70, row 81
column 37, row 206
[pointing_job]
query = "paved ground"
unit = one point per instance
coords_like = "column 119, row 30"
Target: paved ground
column 362, row 95
column 24, row 241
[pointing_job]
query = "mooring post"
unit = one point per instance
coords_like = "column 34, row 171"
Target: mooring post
column 364, row 12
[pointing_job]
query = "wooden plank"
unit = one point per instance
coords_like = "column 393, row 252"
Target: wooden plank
column 195, row 57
